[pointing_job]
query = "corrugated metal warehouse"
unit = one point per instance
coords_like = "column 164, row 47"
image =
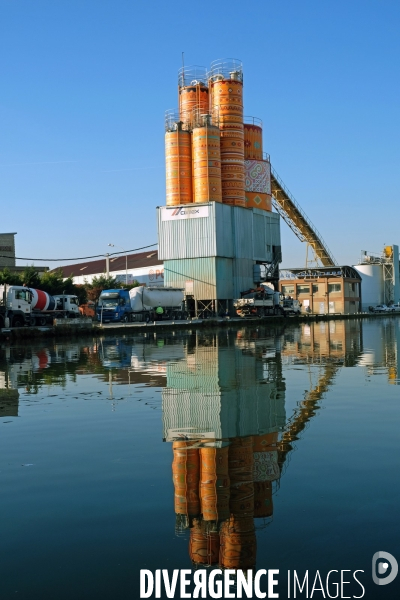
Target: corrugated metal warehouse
column 202, row 397
column 210, row 249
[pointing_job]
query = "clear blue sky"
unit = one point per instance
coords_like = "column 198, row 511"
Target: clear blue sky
column 85, row 83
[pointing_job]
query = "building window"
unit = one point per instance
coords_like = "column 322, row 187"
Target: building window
column 303, row 289
column 353, row 287
column 315, row 288
column 288, row 290
column 334, row 287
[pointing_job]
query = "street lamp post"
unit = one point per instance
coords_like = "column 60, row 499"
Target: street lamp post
column 126, row 262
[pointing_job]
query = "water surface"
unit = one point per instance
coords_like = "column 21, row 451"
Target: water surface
column 87, row 430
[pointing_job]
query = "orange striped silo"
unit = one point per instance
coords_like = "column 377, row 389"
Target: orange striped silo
column 207, row 163
column 226, row 85
column 259, row 200
column 193, row 95
column 185, row 476
column 241, row 502
column 238, row 544
column 203, row 544
column 214, row 483
column 178, row 158
column 253, row 147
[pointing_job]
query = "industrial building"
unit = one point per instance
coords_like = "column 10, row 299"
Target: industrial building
column 212, row 255
column 7, row 255
column 217, row 225
column 218, row 236
column 143, row 267
column 223, row 415
column 323, row 290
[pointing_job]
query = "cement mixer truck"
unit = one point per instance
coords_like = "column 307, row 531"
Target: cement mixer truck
column 139, row 304
column 27, row 306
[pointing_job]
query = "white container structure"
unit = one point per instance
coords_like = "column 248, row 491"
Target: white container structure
column 146, row 298
column 371, row 284
column 210, row 249
column 203, row 401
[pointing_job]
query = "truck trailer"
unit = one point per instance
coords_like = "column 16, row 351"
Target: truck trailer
column 139, row 304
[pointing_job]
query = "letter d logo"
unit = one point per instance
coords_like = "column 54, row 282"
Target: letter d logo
column 380, row 568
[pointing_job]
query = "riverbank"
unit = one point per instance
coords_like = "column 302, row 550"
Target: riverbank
column 74, row 327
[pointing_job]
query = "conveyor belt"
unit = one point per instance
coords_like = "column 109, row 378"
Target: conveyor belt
column 298, row 221
column 306, row 410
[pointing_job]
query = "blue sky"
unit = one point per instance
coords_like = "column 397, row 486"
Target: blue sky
column 85, row 83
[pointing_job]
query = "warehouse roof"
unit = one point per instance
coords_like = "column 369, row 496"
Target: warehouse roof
column 313, row 272
column 117, row 263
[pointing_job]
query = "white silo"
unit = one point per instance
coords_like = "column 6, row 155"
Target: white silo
column 371, row 285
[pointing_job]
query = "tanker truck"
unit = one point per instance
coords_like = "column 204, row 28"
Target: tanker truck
column 145, row 300
column 28, row 306
column 139, row 304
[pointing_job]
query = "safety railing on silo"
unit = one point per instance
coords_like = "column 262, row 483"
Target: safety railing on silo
column 226, row 68
column 192, row 75
column 253, row 121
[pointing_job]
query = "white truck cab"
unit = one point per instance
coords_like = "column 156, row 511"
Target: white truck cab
column 67, row 302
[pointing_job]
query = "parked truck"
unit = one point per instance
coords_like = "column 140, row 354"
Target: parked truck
column 27, row 306
column 264, row 301
column 139, row 304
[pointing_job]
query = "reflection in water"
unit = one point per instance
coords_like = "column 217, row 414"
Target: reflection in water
column 223, row 409
column 381, row 353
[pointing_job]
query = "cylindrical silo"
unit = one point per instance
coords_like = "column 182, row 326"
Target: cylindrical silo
column 226, row 85
column 241, row 501
column 238, row 549
column 265, row 470
column 372, row 287
column 186, row 475
column 178, row 157
column 214, row 483
column 203, row 544
column 206, row 163
column 253, row 146
column 193, row 95
column 258, row 183
column 257, row 167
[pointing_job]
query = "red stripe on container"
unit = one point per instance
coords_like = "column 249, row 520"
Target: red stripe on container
column 41, row 301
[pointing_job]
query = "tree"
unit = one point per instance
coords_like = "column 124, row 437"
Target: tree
column 9, row 278
column 30, row 277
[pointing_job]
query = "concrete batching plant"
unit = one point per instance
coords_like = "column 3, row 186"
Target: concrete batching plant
column 217, row 225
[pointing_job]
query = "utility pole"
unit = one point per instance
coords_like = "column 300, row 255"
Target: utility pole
column 126, row 262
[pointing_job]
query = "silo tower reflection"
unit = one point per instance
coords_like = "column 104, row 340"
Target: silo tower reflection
column 223, row 412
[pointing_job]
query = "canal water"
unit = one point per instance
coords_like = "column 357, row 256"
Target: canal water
column 258, row 448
